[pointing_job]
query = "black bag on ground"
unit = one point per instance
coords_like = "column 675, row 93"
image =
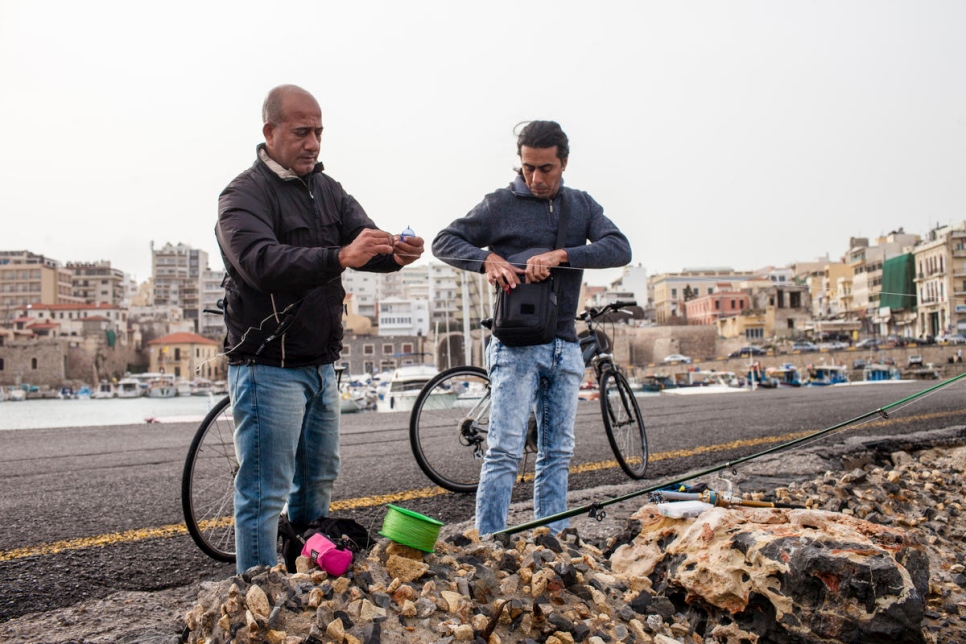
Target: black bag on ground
column 346, row 534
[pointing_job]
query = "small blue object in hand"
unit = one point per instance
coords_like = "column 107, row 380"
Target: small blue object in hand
column 406, row 233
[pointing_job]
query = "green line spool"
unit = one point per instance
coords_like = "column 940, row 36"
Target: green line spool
column 410, row 528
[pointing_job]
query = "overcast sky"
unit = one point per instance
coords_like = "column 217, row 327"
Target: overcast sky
column 737, row 134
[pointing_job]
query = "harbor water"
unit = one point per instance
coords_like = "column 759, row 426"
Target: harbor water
column 46, row 413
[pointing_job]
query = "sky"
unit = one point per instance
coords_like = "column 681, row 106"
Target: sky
column 741, row 134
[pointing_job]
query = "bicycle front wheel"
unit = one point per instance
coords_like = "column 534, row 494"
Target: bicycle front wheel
column 623, row 423
column 448, row 427
column 208, row 484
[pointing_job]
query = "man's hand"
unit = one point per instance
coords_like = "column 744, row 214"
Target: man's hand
column 368, row 244
column 538, row 266
column 501, row 272
column 408, row 250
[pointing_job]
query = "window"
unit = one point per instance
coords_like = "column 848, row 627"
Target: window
column 346, row 350
column 387, row 349
column 368, row 349
column 407, row 347
column 1, row 361
column 33, row 363
column 717, row 304
column 177, row 356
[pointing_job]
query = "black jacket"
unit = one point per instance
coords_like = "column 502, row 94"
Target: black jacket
column 280, row 237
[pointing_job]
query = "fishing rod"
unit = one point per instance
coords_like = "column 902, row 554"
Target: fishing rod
column 596, row 510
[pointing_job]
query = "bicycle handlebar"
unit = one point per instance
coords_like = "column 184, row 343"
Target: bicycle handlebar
column 594, row 313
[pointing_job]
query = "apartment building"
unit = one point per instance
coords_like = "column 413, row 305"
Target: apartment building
column 708, row 309
column 212, row 325
column 98, row 282
column 177, row 272
column 29, row 278
column 940, row 277
column 672, row 290
column 866, row 263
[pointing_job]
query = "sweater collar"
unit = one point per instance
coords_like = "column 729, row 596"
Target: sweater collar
column 519, row 187
column 283, row 173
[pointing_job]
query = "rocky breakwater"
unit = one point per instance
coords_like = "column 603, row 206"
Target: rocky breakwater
column 876, row 556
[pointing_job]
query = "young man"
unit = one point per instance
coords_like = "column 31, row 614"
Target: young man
column 287, row 232
column 523, row 216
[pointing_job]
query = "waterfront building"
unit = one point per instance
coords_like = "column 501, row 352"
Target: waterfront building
column 75, row 320
column 940, row 277
column 366, row 289
column 398, row 316
column 672, row 290
column 188, row 356
column 708, row 309
column 898, row 301
column 866, row 263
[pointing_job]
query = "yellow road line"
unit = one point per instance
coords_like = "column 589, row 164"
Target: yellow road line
column 178, row 529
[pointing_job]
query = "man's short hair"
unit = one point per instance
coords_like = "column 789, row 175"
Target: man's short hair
column 544, row 134
column 272, row 107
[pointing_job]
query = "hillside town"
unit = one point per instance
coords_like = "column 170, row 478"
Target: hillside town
column 73, row 323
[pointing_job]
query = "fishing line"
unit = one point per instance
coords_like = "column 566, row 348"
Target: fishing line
column 596, row 509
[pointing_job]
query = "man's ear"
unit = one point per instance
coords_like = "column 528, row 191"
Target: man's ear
column 268, row 131
column 563, row 164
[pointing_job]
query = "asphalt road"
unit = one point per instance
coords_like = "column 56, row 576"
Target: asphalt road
column 90, row 511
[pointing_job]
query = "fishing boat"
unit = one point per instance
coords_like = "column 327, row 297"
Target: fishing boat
column 876, row 372
column 655, row 382
column 757, row 377
column 787, row 375
column 105, row 390
column 129, row 388
column 404, row 387
column 824, row 375
column 710, row 382
column 84, row 393
column 161, row 386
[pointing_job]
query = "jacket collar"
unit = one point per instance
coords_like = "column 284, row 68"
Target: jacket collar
column 283, row 173
column 519, row 187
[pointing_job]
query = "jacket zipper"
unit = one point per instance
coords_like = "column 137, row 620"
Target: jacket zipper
column 277, row 321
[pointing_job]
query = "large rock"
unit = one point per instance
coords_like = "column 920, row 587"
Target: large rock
column 773, row 575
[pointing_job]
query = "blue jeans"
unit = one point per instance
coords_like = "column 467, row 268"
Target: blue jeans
column 545, row 377
column 287, row 443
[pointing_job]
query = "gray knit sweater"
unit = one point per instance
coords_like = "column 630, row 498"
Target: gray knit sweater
column 512, row 220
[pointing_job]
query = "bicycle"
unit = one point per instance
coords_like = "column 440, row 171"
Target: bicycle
column 208, row 484
column 449, row 422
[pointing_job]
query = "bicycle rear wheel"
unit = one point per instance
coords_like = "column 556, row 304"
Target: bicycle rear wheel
column 208, row 484
column 448, row 427
column 623, row 423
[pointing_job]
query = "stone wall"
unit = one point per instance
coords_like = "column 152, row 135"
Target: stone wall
column 34, row 362
column 55, row 362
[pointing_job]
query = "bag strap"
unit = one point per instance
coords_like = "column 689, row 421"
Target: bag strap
column 563, row 223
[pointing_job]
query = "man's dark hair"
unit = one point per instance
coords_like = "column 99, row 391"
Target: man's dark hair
column 544, row 134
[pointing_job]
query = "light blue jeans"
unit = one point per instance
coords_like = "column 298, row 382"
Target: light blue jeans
column 287, row 443
column 545, row 377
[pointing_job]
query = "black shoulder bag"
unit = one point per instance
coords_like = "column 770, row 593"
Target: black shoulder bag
column 527, row 315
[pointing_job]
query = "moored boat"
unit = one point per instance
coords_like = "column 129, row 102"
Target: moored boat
column 787, row 375
column 105, row 390
column 824, row 375
column 876, row 372
column 129, row 388
column 404, row 387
